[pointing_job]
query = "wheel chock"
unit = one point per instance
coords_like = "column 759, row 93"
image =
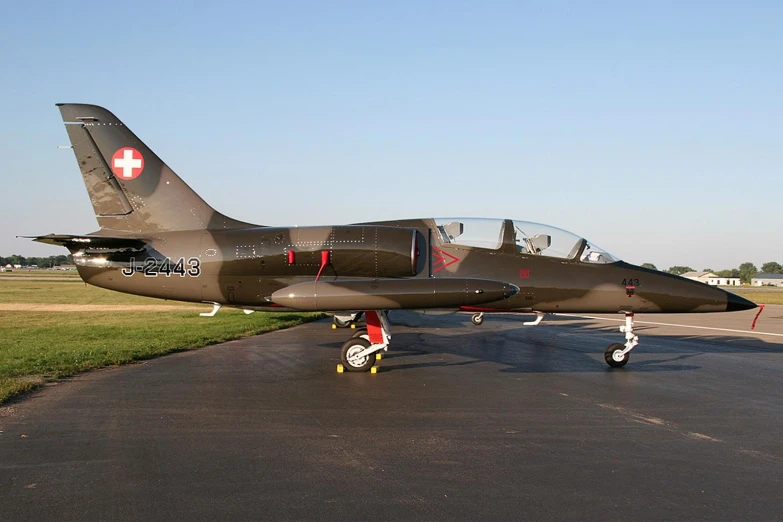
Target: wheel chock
column 374, row 369
column 378, row 356
column 340, row 368
column 334, row 326
column 353, row 326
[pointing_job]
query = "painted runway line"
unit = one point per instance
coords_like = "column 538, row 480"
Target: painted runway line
column 752, row 332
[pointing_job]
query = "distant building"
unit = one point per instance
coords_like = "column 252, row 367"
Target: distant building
column 708, row 278
column 724, row 281
column 767, row 280
column 701, row 277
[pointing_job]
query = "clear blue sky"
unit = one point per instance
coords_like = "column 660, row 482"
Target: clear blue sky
column 654, row 129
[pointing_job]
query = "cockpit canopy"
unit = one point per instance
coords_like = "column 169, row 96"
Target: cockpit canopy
column 529, row 238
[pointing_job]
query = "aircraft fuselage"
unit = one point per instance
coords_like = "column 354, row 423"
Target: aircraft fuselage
column 244, row 267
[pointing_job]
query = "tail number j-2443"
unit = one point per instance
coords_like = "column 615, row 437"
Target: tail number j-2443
column 168, row 267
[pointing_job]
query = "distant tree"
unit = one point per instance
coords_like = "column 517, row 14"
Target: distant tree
column 41, row 262
column 650, row 266
column 747, row 271
column 710, row 270
column 733, row 272
column 679, row 270
column 772, row 268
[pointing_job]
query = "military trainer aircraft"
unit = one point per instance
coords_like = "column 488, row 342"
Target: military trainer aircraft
column 158, row 238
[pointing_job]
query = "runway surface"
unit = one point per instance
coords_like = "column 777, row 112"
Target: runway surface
column 463, row 422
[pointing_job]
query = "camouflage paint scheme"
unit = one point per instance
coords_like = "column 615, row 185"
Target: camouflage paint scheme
column 155, row 215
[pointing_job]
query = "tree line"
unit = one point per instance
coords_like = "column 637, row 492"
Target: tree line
column 745, row 272
column 40, row 262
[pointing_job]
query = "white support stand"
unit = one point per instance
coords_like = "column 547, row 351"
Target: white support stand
column 248, row 312
column 215, row 308
column 539, row 318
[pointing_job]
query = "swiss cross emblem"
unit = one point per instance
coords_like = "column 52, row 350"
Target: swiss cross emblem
column 127, row 163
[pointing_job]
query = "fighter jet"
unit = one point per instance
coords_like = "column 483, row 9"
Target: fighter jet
column 158, row 238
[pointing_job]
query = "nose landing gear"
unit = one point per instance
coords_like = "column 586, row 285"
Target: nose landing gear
column 617, row 355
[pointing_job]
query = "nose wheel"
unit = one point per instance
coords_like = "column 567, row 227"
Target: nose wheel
column 477, row 318
column 617, row 354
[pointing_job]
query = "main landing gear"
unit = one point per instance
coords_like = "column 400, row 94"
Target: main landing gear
column 477, row 318
column 617, row 354
column 359, row 352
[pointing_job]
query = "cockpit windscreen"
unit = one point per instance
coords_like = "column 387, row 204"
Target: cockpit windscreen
column 530, row 238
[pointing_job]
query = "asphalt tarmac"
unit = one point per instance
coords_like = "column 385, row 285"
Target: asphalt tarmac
column 463, row 422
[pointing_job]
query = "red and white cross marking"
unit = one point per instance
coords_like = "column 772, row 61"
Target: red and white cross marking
column 127, row 163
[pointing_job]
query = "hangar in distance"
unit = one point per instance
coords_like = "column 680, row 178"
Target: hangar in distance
column 158, row 238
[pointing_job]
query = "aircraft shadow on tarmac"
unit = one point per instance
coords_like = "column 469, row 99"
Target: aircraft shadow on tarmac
column 558, row 346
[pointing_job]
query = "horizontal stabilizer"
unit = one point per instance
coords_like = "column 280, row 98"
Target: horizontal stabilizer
column 392, row 294
column 82, row 242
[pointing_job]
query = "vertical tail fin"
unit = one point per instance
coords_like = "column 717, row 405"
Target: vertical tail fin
column 130, row 187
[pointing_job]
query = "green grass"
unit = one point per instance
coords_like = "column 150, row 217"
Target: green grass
column 760, row 295
column 41, row 273
column 67, row 292
column 39, row 347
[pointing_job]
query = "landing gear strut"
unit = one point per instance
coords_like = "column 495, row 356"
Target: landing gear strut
column 617, row 355
column 358, row 352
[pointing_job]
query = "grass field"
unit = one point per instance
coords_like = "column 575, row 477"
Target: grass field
column 759, row 295
column 23, row 290
column 38, row 347
column 41, row 273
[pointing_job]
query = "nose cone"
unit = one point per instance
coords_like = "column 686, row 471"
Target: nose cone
column 735, row 303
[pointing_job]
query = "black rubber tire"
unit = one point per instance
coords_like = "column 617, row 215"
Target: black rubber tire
column 616, row 347
column 477, row 319
column 356, row 344
column 359, row 332
column 339, row 323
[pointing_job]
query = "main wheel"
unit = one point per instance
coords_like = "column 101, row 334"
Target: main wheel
column 352, row 347
column 614, row 356
column 339, row 323
column 477, row 319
